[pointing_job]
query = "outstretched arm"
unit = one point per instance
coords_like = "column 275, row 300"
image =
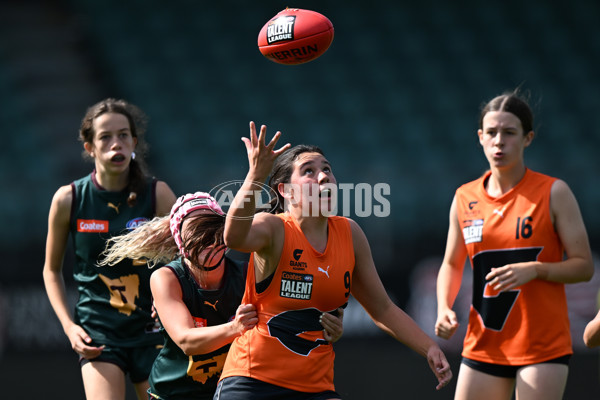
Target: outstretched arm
column 243, row 231
column 368, row 289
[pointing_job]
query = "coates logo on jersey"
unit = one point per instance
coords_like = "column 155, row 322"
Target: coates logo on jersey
column 134, row 223
column 281, row 29
column 199, row 322
column 92, row 225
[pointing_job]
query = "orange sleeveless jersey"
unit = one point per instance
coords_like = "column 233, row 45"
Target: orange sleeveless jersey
column 529, row 324
column 287, row 347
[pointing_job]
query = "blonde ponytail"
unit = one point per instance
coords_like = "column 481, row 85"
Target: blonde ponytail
column 151, row 242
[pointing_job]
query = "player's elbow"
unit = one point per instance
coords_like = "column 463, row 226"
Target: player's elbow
column 588, row 272
column 232, row 240
column 186, row 346
column 591, row 341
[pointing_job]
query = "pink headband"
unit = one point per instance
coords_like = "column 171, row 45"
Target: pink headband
column 184, row 206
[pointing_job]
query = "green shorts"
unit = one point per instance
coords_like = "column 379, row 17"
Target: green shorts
column 134, row 361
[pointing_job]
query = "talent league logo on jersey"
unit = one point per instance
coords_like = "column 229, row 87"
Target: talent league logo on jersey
column 296, row 286
column 473, row 231
column 281, row 28
column 134, row 223
column 92, row 225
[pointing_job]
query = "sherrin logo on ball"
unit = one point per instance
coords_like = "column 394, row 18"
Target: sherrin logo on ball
column 295, row 36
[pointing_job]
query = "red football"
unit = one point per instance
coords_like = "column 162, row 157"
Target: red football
column 295, row 36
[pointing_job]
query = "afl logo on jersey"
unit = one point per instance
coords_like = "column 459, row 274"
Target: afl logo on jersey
column 134, row 223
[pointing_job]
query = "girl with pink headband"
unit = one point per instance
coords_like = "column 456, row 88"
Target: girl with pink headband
column 197, row 295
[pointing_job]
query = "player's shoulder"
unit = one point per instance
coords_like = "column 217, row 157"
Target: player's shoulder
column 63, row 197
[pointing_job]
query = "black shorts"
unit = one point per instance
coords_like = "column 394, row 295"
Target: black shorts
column 507, row 371
column 243, row 388
column 135, row 361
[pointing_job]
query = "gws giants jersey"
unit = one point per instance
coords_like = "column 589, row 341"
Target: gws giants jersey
column 528, row 324
column 287, row 347
column 114, row 303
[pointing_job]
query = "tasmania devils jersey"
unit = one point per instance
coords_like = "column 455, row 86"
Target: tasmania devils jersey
column 114, row 304
column 176, row 376
column 287, row 347
column 528, row 324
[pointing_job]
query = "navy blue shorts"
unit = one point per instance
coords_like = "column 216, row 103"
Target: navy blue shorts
column 135, row 361
column 507, row 371
column 243, row 388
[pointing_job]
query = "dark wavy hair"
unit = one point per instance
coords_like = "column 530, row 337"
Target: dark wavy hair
column 138, row 122
column 282, row 171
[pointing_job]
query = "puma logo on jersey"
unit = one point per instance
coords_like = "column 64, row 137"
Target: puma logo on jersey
column 212, row 305
column 326, row 272
column 116, row 208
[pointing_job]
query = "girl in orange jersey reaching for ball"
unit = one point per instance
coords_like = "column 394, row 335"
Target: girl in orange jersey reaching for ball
column 285, row 355
column 515, row 225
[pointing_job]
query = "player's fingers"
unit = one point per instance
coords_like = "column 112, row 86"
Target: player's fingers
column 253, row 137
column 282, row 149
column 274, row 140
column 248, row 144
column 262, row 134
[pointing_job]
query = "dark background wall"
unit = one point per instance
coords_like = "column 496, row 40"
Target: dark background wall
column 394, row 100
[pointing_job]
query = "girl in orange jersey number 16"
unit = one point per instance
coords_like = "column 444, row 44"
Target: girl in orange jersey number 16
column 515, row 225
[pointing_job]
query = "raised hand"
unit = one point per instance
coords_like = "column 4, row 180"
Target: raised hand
column 261, row 156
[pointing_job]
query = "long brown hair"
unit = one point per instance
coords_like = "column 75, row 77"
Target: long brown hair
column 138, row 170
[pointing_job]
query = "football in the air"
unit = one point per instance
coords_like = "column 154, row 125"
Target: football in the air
column 295, row 36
